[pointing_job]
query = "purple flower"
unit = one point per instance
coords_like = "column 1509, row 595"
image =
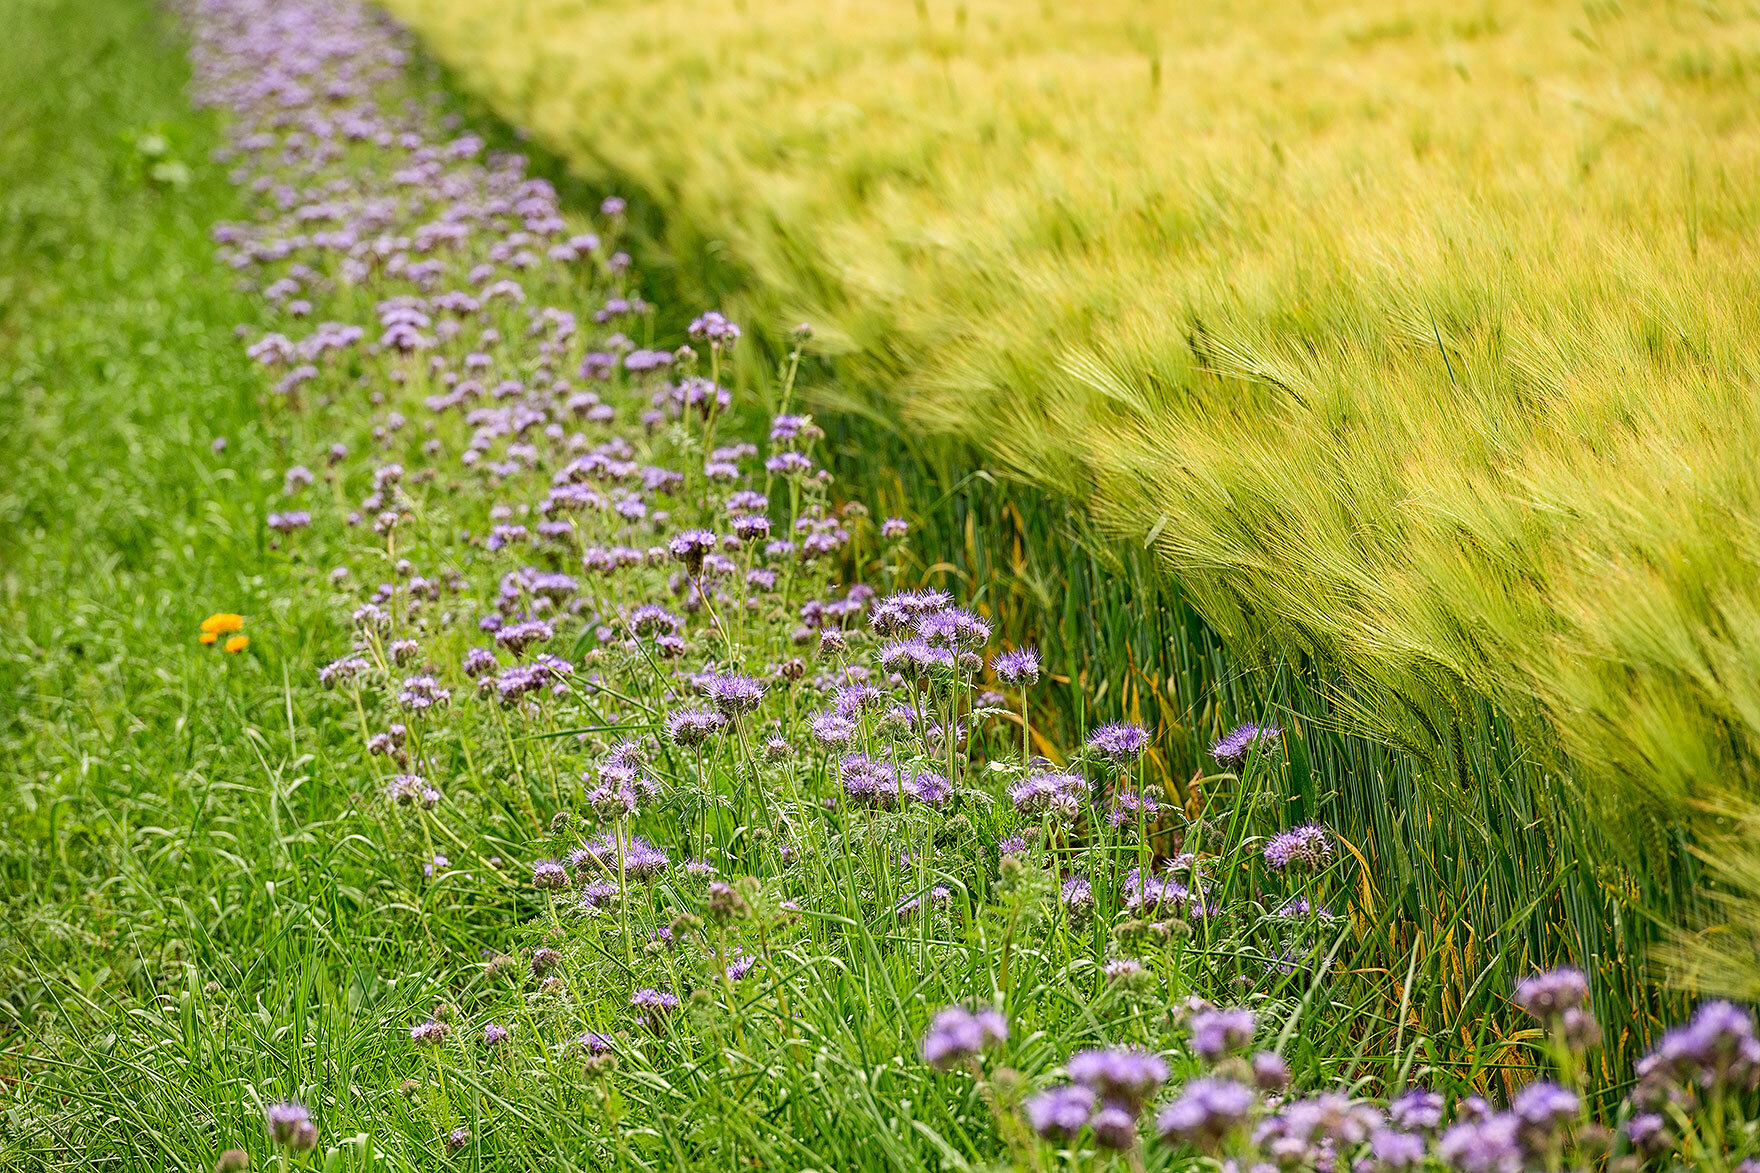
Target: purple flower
column 1118, row 1075
column 894, row 527
column 641, row 859
column 290, row 1125
column 653, row 1005
column 593, row 1042
column 1119, row 742
column 1490, row 1145
column 1396, row 1150
column 1114, row 1127
column 1128, row 806
column 957, row 1035
column 430, row 1033
column 516, row 637
column 1054, row 792
column 832, row 731
column 692, row 727
column 1306, row 846
column 733, row 694
column 1716, row 1051
column 1061, row 1112
column 1216, row 1033
column 690, row 547
column 1206, row 1113
column 717, row 329
column 1543, row 1108
column 493, row 1035
column 1418, row 1109
column 549, row 875
column 1234, row 745
column 1020, row 666
column 1649, row 1133
column 1548, row 995
column 1270, row 1072
column 916, row 658
column 1077, row 892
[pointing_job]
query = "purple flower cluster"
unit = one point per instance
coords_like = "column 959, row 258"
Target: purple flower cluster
column 1237, row 742
column 957, row 1035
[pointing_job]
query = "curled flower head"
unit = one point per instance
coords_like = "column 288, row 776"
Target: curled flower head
column 692, row 727
column 1233, row 746
column 1053, row 792
column 290, row 1126
column 549, row 875
column 1305, row 846
column 1716, row 1051
column 733, row 694
column 1206, row 1113
column 1544, row 1109
column 1548, row 995
column 716, row 329
column 1114, row 1127
column 430, row 1033
column 1119, row 1075
column 1491, row 1144
column 1061, row 1112
column 691, row 547
column 653, row 1005
column 1216, row 1033
column 957, row 1034
column 1417, row 1110
column 1120, row 742
column 1130, row 805
column 1020, row 666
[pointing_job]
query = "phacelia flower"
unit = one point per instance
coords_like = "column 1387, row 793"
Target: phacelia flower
column 1020, row 666
column 1548, row 995
column 1305, row 846
column 1216, row 1033
column 733, row 694
column 1120, row 742
column 957, row 1035
column 1118, row 1075
column 290, row 1126
column 1233, row 746
column 1061, row 1112
column 1206, row 1113
column 692, row 727
column 549, row 875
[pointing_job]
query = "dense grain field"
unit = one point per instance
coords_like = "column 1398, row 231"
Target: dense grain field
column 1417, row 335
column 463, row 714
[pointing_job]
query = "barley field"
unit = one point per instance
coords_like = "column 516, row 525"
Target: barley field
column 647, row 586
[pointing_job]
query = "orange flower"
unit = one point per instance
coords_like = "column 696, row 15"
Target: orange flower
column 220, row 623
column 208, row 637
column 238, row 643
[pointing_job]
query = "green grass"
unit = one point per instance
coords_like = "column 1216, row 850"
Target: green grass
column 203, row 914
